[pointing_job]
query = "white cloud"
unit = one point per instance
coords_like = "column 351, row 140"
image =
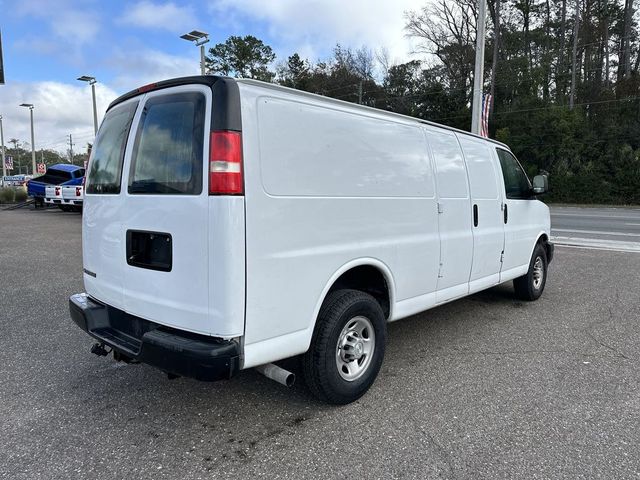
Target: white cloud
column 73, row 25
column 319, row 24
column 136, row 68
column 63, row 108
column 60, row 109
column 161, row 16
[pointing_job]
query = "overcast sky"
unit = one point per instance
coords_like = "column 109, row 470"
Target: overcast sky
column 47, row 44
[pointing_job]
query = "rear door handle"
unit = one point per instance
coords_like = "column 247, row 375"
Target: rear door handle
column 506, row 214
column 475, row 215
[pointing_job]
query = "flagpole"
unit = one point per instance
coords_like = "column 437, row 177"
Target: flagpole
column 478, row 76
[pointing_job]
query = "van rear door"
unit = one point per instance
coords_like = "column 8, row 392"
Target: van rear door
column 102, row 246
column 165, row 221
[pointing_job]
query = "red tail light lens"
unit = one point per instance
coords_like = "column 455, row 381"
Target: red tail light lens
column 225, row 163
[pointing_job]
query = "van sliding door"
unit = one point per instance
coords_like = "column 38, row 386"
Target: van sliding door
column 486, row 209
column 454, row 217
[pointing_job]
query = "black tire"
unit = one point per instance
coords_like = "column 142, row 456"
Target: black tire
column 320, row 368
column 529, row 287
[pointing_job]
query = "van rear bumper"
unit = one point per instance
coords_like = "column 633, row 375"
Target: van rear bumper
column 173, row 351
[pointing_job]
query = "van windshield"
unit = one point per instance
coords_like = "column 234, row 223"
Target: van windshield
column 168, row 152
column 105, row 169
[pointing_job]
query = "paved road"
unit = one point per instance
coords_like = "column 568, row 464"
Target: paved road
column 485, row 387
column 614, row 228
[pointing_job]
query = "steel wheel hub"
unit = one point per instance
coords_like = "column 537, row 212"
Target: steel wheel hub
column 355, row 348
column 538, row 273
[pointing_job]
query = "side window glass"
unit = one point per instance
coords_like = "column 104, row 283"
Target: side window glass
column 516, row 182
column 108, row 152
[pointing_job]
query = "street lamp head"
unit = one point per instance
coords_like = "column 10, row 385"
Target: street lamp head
column 196, row 36
column 87, row 78
column 28, row 105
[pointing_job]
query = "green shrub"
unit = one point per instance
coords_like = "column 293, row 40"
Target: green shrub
column 21, row 195
column 7, row 195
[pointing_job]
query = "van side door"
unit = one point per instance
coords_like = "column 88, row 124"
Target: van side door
column 454, row 215
column 519, row 214
column 486, row 209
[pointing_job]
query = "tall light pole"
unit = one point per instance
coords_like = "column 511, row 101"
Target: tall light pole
column 92, row 81
column 4, row 166
column 478, row 76
column 200, row 38
column 33, row 144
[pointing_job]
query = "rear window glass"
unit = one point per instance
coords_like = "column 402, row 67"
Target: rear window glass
column 54, row 176
column 168, row 151
column 107, row 156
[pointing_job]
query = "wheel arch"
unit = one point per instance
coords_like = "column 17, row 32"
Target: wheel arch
column 542, row 238
column 350, row 275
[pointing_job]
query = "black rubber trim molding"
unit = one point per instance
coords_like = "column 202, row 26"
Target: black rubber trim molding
column 550, row 251
column 225, row 114
column 171, row 350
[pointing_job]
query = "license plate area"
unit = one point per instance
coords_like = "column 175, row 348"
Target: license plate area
column 150, row 250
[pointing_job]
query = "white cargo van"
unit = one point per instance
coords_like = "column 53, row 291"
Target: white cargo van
column 229, row 224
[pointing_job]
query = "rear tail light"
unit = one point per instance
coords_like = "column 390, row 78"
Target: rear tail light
column 225, row 163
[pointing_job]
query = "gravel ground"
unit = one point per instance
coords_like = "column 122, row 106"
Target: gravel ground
column 485, row 387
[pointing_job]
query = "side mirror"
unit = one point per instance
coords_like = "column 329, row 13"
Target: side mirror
column 540, row 184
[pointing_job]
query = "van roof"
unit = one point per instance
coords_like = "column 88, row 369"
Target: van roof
column 273, row 86
column 213, row 79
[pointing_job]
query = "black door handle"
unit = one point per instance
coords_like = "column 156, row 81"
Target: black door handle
column 475, row 215
column 506, row 214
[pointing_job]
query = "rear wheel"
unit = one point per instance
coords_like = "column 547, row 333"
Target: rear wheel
column 347, row 347
column 531, row 285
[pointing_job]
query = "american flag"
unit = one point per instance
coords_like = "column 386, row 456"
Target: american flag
column 486, row 108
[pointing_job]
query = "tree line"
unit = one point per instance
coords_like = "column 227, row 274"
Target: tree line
column 21, row 154
column 564, row 76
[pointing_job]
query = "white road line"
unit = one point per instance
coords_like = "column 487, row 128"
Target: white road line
column 608, row 249
column 597, row 244
column 633, row 224
column 596, row 232
column 603, row 216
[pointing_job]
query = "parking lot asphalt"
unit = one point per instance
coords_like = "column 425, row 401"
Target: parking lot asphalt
column 484, row 387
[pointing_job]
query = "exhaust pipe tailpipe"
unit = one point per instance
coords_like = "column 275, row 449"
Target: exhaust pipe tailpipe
column 274, row 372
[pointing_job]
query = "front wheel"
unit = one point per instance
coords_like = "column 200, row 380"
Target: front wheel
column 347, row 347
column 531, row 285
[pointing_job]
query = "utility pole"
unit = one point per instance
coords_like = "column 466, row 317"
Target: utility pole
column 360, row 93
column 70, row 149
column 478, row 76
column 4, row 166
column 574, row 60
